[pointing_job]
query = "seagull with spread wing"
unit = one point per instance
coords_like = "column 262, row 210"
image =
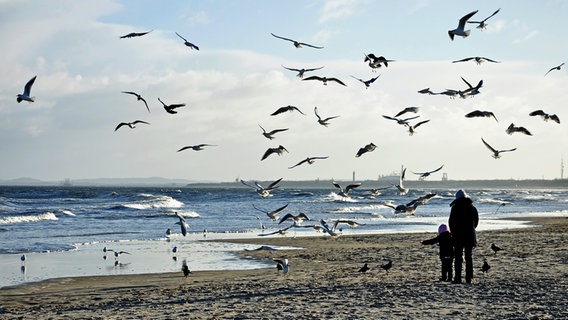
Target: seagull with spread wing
column 479, row 113
column 412, row 128
column 297, row 44
column 324, row 80
column 558, row 67
column 459, row 31
column 263, row 192
column 171, row 108
column 478, row 60
column 278, row 150
column 25, row 96
column 135, row 34
column 496, row 153
column 368, row 148
column 131, row 125
column 345, row 192
column 426, row 174
column 308, row 160
column 197, row 147
column 187, row 43
column 512, row 129
column 367, row 83
column 301, row 71
column 323, row 121
column 270, row 134
column 545, row 116
column 138, row 98
column 286, row 109
column 273, row 214
column 481, row 24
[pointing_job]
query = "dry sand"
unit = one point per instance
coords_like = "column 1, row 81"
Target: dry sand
column 527, row 280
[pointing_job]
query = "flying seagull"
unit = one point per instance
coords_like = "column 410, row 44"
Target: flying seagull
column 297, row 219
column 479, row 113
column 285, row 109
column 273, row 215
column 27, row 90
column 184, row 226
column 554, row 68
column 322, row 121
column 481, row 24
column 301, row 71
column 368, row 148
column 131, row 125
column 324, row 80
column 135, row 34
column 278, row 150
column 401, row 189
column 187, row 43
column 138, row 98
column 270, row 134
column 412, row 128
column 427, row 173
column 471, row 90
column 478, row 60
column 376, row 62
column 345, row 192
column 308, row 160
column 512, row 129
column 426, row 91
column 197, row 147
column 297, row 44
column 403, row 122
column 367, row 83
column 496, row 153
column 545, row 116
column 263, row 192
column 171, row 108
column 459, row 31
column 405, row 110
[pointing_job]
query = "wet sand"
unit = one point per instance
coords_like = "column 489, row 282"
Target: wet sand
column 527, row 280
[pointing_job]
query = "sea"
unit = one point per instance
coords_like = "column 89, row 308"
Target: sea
column 61, row 231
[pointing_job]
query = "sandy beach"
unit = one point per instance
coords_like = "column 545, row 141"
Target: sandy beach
column 527, row 280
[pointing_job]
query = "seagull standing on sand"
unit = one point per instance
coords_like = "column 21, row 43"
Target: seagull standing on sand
column 185, row 268
column 197, row 147
column 270, row 134
column 364, row 268
column 281, row 265
column 459, row 31
column 27, row 91
column 187, row 43
column 297, row 44
column 263, row 192
column 322, row 121
column 138, row 98
column 496, row 153
column 368, row 148
column 387, row 266
column 554, row 68
column 301, row 71
column 423, row 175
column 131, row 125
column 324, row 80
column 278, row 150
column 545, row 116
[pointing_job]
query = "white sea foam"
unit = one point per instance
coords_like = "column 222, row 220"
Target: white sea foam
column 67, row 213
column 21, row 219
column 155, row 202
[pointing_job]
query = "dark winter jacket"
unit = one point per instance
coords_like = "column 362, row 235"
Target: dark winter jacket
column 444, row 240
column 463, row 221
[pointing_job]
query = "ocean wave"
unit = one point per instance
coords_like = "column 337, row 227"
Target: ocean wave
column 185, row 214
column 67, row 212
column 21, row 219
column 154, row 202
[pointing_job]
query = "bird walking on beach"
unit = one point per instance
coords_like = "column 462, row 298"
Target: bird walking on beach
column 459, row 31
column 512, row 129
column 485, row 267
column 308, row 160
column 479, row 113
column 481, row 24
column 26, row 95
column 545, row 116
column 281, row 265
column 496, row 153
column 171, row 108
column 297, row 44
column 119, row 253
column 364, row 268
column 285, row 109
column 323, row 121
column 387, row 266
column 368, row 148
column 131, row 125
column 554, row 68
column 495, row 248
column 423, row 175
column 367, row 83
column 324, row 80
column 263, row 192
column 278, row 150
column 270, row 134
column 187, row 43
column 138, row 98
column 478, row 60
column 273, row 215
column 185, row 268
column 197, row 147
column 302, row 71
column 135, row 34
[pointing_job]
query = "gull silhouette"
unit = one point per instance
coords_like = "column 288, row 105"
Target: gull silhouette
column 25, row 96
column 301, row 71
column 138, row 98
column 459, row 31
column 297, row 44
column 323, row 121
column 481, row 24
column 135, row 34
column 187, row 43
column 545, row 116
column 270, row 134
column 131, row 125
column 496, row 153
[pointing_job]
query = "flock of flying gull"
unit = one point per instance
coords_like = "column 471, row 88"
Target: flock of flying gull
column 374, row 62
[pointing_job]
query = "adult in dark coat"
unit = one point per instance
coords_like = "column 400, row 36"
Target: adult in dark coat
column 463, row 221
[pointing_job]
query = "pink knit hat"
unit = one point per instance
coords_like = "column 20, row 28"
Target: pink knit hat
column 442, row 228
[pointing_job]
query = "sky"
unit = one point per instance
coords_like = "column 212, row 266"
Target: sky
column 233, row 83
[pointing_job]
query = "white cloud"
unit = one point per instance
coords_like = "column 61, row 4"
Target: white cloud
column 336, row 9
